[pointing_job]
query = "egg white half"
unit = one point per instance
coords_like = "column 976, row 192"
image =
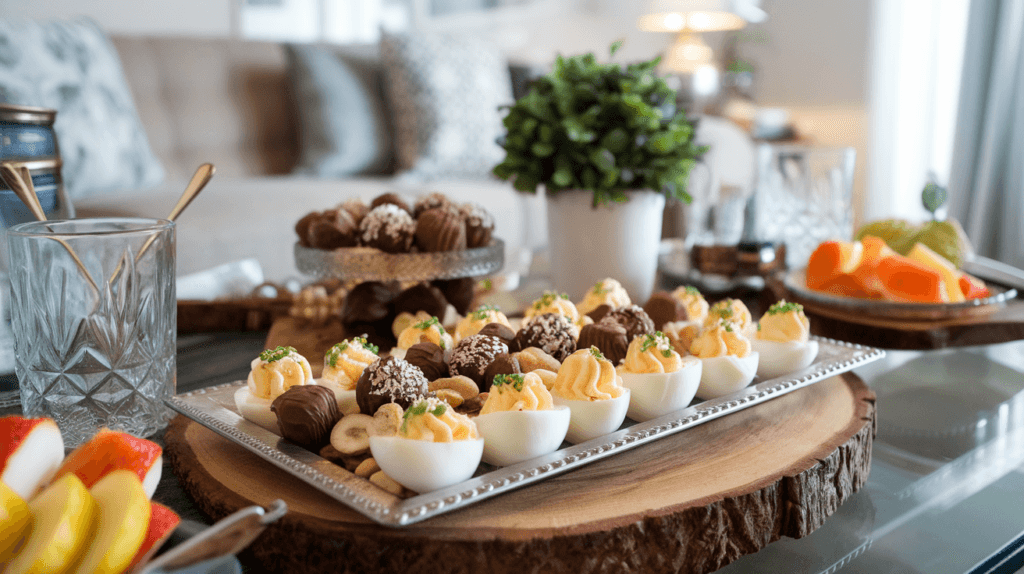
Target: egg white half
column 515, row 436
column 256, row 410
column 725, row 375
column 778, row 359
column 424, row 466
column 656, row 394
column 591, row 419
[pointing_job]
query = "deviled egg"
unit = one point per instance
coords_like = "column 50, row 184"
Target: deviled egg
column 588, row 384
column 691, row 298
column 428, row 331
column 343, row 365
column 272, row 373
column 783, row 341
column 519, row 420
column 605, row 292
column 483, row 315
column 727, row 362
column 559, row 304
column 658, row 378
column 731, row 311
column 435, row 447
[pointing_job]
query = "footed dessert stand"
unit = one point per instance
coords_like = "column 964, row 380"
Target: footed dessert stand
column 692, row 502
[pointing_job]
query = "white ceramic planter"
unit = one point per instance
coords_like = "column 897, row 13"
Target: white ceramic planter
column 618, row 240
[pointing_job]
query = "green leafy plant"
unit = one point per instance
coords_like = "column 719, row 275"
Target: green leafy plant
column 607, row 128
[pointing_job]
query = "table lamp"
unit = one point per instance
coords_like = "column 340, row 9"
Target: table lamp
column 689, row 18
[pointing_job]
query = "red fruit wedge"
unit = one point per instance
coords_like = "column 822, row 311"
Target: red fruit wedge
column 162, row 522
column 109, row 451
column 31, row 451
column 904, row 279
column 973, row 288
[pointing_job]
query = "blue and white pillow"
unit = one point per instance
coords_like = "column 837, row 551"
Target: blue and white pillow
column 72, row 67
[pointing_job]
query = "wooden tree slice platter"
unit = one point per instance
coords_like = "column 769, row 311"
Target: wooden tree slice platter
column 691, row 502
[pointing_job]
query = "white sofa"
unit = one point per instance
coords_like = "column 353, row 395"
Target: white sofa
column 229, row 102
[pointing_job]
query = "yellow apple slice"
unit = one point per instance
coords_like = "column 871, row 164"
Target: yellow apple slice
column 63, row 517
column 950, row 276
column 121, row 524
column 31, row 451
column 15, row 521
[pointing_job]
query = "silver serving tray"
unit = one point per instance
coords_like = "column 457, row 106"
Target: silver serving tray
column 368, row 264
column 214, row 408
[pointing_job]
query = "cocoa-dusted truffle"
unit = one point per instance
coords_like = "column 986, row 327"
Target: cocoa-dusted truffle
column 387, row 227
column 664, row 308
column 390, row 199
column 503, row 364
column 472, row 355
column 479, row 225
column 429, row 358
column 440, row 229
column 334, row 229
column 430, row 201
column 368, row 302
column 458, row 292
column 389, row 380
column 633, row 319
column 599, row 312
column 503, row 332
column 549, row 332
column 609, row 338
column 356, row 207
column 306, row 414
column 421, row 297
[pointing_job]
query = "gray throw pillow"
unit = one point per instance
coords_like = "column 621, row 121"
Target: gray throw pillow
column 445, row 91
column 73, row 68
column 343, row 126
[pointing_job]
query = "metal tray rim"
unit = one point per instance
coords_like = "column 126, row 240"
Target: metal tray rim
column 312, row 469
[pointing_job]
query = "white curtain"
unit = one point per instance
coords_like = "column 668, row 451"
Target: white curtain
column 987, row 178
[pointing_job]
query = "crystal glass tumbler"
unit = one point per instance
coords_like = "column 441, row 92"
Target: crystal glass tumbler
column 94, row 317
column 803, row 196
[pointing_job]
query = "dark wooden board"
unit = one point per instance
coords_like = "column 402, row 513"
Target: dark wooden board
column 692, row 502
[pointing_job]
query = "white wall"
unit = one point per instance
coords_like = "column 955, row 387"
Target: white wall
column 128, row 17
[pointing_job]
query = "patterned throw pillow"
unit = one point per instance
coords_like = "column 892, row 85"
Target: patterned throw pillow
column 445, row 91
column 73, row 68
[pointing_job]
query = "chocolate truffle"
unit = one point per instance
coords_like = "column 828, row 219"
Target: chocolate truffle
column 440, row 229
column 664, row 308
column 610, row 339
column 356, row 207
column 392, row 199
column 479, row 225
column 368, row 302
column 429, row 358
column 633, row 319
column 503, row 332
column 549, row 332
column 389, row 380
column 503, row 364
column 388, row 228
column 472, row 355
column 334, row 229
column 302, row 227
column 306, row 414
column 458, row 292
column 421, row 297
column 599, row 312
column 429, row 201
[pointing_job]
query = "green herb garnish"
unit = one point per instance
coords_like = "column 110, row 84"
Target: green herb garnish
column 432, row 322
column 548, row 298
column 723, row 309
column 727, row 325
column 691, row 290
column 596, row 352
column 334, row 353
column 600, row 289
column 486, row 284
column 421, row 408
column 515, row 380
column 276, row 354
column 658, row 340
column 482, row 311
column 784, row 307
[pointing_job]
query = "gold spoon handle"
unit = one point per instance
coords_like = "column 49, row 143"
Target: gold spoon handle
column 199, row 180
column 19, row 179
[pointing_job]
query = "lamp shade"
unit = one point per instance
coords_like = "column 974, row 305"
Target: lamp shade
column 699, row 15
